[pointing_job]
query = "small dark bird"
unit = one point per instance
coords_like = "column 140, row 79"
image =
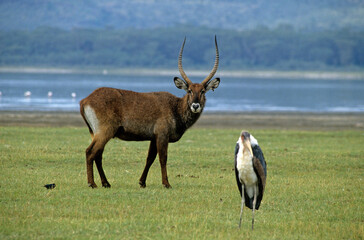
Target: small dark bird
column 50, row 186
column 250, row 172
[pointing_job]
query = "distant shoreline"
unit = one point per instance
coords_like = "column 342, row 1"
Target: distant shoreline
column 241, row 120
column 266, row 74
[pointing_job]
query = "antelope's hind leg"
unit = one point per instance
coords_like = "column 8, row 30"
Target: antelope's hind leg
column 94, row 153
column 89, row 166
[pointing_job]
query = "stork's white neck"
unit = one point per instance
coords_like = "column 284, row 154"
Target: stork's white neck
column 253, row 141
column 244, row 165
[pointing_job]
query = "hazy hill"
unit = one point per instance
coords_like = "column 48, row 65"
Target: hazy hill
column 260, row 34
column 226, row 14
column 279, row 48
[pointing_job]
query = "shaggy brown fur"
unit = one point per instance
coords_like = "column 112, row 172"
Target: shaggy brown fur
column 158, row 117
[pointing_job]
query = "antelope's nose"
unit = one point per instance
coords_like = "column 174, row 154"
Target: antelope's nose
column 195, row 106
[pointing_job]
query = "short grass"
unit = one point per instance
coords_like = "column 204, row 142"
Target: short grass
column 315, row 187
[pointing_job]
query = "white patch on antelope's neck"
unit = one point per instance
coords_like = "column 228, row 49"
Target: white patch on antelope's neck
column 91, row 118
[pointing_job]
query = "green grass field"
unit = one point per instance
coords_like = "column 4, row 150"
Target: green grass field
column 315, row 187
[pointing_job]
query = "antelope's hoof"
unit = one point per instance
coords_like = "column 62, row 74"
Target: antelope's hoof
column 106, row 185
column 167, row 185
column 142, row 184
column 92, row 185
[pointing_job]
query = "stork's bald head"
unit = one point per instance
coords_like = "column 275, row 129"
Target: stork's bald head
column 245, row 135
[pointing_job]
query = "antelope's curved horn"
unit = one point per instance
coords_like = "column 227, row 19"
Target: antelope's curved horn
column 214, row 69
column 180, row 68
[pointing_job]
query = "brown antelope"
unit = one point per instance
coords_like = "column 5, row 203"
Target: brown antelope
column 158, row 117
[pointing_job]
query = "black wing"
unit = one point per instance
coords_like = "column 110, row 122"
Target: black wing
column 260, row 168
column 258, row 153
column 236, row 170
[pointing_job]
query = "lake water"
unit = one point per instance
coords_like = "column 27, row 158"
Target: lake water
column 233, row 94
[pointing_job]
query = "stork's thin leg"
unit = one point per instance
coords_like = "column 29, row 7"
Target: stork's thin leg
column 242, row 204
column 254, row 203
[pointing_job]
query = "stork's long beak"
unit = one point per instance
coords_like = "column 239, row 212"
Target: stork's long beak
column 249, row 146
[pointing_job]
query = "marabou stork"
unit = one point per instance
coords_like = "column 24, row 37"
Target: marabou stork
column 250, row 172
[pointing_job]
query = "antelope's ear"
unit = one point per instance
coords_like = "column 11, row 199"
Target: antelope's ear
column 180, row 83
column 213, row 84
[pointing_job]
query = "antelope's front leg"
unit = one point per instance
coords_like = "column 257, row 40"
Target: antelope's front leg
column 152, row 153
column 162, row 147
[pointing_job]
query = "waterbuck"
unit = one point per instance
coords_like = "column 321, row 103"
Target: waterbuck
column 158, row 117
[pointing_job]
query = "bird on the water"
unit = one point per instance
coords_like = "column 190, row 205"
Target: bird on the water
column 250, row 172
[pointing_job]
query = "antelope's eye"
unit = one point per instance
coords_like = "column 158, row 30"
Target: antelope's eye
column 203, row 91
column 189, row 91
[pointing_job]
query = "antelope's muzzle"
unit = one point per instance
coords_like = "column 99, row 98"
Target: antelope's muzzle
column 196, row 107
